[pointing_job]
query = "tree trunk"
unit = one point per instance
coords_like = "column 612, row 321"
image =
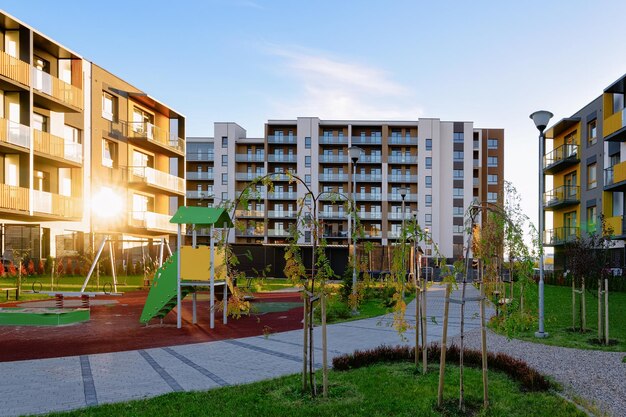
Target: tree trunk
column 583, row 319
column 606, row 310
column 573, row 304
column 599, row 310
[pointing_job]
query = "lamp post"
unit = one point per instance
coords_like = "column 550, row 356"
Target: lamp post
column 541, row 119
column 354, row 152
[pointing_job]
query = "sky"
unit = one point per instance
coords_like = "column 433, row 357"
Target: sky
column 247, row 61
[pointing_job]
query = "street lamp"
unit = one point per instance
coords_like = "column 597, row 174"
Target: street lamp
column 354, row 152
column 541, row 119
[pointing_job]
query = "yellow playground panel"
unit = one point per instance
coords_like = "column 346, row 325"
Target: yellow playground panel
column 195, row 263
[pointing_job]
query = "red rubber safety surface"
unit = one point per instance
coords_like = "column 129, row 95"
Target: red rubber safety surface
column 116, row 327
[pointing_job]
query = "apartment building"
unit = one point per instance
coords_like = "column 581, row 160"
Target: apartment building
column 68, row 130
column 441, row 166
column 585, row 172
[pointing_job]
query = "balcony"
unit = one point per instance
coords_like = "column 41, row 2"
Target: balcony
column 615, row 177
column 61, row 91
column 55, row 146
column 152, row 137
column 249, row 157
column 402, row 159
column 369, row 197
column 341, row 215
column 370, row 159
column 200, row 176
column 369, row 177
column 13, row 198
column 279, row 176
column 394, row 234
column 367, row 140
column 402, row 140
column 370, row 215
column 153, row 222
column 248, row 176
column 282, row 214
column 397, row 197
column 282, row 139
column 333, row 159
column 201, row 157
column 14, row 69
column 332, row 196
column 560, row 158
column 249, row 213
column 616, row 224
column 333, row 140
column 560, row 235
column 158, row 179
column 14, row 133
column 565, row 195
column 285, row 195
column 282, row 158
column 334, row 177
column 330, row 234
column 200, row 195
column 57, row 205
column 277, row 233
column 250, row 232
column 402, row 178
column 373, row 234
column 614, row 127
column 399, row 216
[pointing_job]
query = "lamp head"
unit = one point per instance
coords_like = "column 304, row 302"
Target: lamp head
column 403, row 192
column 355, row 153
column 541, row 119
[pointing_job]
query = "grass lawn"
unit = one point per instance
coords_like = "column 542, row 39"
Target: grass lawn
column 378, row 390
column 558, row 319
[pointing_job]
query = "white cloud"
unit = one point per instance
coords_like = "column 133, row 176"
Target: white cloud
column 334, row 88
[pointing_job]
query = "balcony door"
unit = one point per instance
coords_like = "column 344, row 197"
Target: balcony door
column 143, row 123
column 569, row 223
column 570, row 181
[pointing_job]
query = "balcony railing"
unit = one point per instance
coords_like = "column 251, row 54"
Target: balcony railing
column 56, row 146
column 14, row 68
column 398, row 197
column 201, row 157
column 367, row 140
column 282, row 214
column 52, row 86
column 334, row 140
column 157, row 178
column 152, row 221
column 13, row 198
column 332, row 196
column 402, row 140
column 332, row 214
column 334, row 177
column 281, row 158
column 250, row 232
column 373, row 234
column 330, row 234
column 154, row 134
column 282, row 177
column 369, row 196
column 399, row 216
column 394, row 234
column 369, row 177
column 282, row 139
column 278, row 233
column 285, row 195
column 57, row 205
column 614, row 122
column 247, row 176
column 249, row 213
column 560, row 235
column 370, row 159
column 343, row 159
column 565, row 194
column 569, row 151
column 194, row 175
column 200, row 195
column 249, row 157
column 615, row 174
column 402, row 178
column 402, row 159
column 14, row 133
column 370, row 215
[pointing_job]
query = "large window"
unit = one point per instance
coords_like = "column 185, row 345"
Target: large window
column 458, row 155
column 108, row 153
column 458, row 174
column 592, row 132
column 492, row 143
column 109, row 106
column 492, row 161
column 492, row 179
column 591, row 176
column 492, row 197
column 591, row 220
column 457, row 192
column 459, row 136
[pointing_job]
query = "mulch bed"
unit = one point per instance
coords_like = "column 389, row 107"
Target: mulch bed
column 116, row 327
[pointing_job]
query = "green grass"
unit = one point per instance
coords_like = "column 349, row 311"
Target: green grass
column 378, row 390
column 268, row 284
column 558, row 319
column 68, row 283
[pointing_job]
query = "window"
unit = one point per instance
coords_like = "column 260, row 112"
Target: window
column 40, row 122
column 492, row 161
column 225, row 178
column 109, row 106
column 457, row 229
column 591, row 219
column 108, row 153
column 307, row 142
column 492, row 143
column 492, row 197
column 492, row 179
column 224, row 196
column 428, row 219
column 429, row 144
column 307, row 162
column 458, row 174
column 307, row 179
column 429, row 162
column 457, row 192
column 592, row 132
column 458, row 136
column 429, row 181
column 591, row 176
column 429, row 200
column 224, row 141
column 458, row 155
column 71, row 134
column 224, row 160
column 457, row 211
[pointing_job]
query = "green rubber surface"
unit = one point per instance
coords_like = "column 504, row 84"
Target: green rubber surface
column 20, row 316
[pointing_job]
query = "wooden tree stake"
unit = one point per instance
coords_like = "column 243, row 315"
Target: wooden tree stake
column 324, row 349
column 444, row 344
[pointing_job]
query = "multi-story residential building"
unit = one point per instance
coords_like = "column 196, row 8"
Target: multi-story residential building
column 585, row 169
column 442, row 166
column 68, row 130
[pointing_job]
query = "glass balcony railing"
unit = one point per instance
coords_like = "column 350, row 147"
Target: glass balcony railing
column 54, row 87
column 562, row 153
column 153, row 134
column 367, row 140
column 250, row 232
column 249, row 157
column 282, row 139
column 370, row 159
column 560, row 235
column 157, row 178
column 56, row 146
column 151, row 221
column 615, row 174
column 334, row 177
column 369, row 196
column 281, row 158
column 57, row 205
column 200, row 195
column 402, row 159
column 398, row 197
column 333, row 158
column 399, row 216
column 282, row 214
column 332, row 214
column 247, row 176
column 249, row 213
column 402, row 140
column 277, row 233
column 201, row 157
column 14, row 133
column 285, row 195
column 333, row 140
column 369, row 177
column 565, row 194
column 402, row 178
column 333, row 196
column 194, row 175
column 369, row 215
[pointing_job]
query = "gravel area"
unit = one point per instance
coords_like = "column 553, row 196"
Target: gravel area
column 598, row 377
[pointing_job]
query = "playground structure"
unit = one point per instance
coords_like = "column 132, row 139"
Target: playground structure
column 191, row 267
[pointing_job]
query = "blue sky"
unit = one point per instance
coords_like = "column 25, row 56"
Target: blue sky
column 491, row 62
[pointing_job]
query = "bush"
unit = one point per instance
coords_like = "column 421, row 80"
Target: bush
column 514, row 368
column 336, row 310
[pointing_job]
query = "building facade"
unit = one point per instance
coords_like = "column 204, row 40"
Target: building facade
column 585, row 171
column 68, row 130
column 442, row 166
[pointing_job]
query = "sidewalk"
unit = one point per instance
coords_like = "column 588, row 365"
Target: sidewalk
column 46, row 385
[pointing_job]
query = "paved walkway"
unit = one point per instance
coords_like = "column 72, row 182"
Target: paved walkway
column 46, row 385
